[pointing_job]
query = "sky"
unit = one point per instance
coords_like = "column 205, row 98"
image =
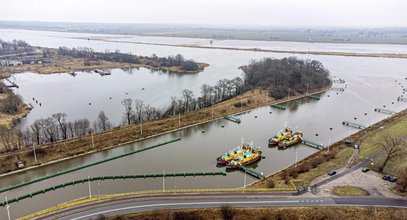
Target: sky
column 372, row 13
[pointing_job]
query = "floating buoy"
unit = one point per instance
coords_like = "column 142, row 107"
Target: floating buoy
column 90, row 103
column 40, row 103
column 329, row 96
column 317, row 134
column 127, row 93
column 270, row 112
column 355, row 118
column 255, row 116
column 263, row 157
column 203, row 131
column 33, row 98
column 110, row 97
column 222, row 126
column 365, row 113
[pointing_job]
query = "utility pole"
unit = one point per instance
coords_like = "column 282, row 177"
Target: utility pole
column 296, row 158
column 141, row 126
column 163, row 181
column 90, row 190
column 35, row 154
column 212, row 111
column 8, row 209
column 245, row 180
column 93, row 142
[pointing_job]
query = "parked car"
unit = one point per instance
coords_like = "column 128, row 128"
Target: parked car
column 348, row 142
column 332, row 172
column 365, row 169
column 392, row 179
column 386, row 177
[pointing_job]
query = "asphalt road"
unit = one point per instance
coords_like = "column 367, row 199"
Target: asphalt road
column 212, row 200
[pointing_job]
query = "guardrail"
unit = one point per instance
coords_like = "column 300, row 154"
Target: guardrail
column 102, row 178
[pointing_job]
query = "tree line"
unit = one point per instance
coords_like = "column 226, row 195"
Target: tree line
column 281, row 75
column 11, row 103
column 116, row 56
column 15, row 46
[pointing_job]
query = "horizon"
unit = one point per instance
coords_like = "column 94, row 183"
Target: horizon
column 258, row 13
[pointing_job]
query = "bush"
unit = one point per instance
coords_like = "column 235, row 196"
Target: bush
column 227, row 212
column 329, row 156
column 11, row 104
column 317, row 161
column 270, row 184
column 186, row 216
column 303, row 168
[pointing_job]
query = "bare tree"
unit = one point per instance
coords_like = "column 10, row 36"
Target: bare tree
column 102, row 121
column 7, row 137
column 187, row 95
column 81, row 127
column 63, row 126
column 36, row 129
column 50, row 129
column 139, row 107
column 392, row 147
column 149, row 111
column 128, row 115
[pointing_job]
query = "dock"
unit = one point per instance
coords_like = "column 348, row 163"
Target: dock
column 252, row 172
column 313, row 97
column 401, row 99
column 338, row 89
column 282, row 107
column 312, row 144
column 338, row 81
column 352, row 124
column 233, row 118
column 390, row 112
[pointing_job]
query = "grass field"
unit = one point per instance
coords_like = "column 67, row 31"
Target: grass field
column 349, row 191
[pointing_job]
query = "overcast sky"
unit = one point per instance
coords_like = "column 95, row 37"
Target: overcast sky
column 236, row 12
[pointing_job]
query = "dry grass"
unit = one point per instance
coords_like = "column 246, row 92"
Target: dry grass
column 291, row 213
column 349, row 191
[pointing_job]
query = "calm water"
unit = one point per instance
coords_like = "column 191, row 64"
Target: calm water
column 370, row 83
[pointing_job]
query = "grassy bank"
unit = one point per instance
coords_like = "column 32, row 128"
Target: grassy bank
column 291, row 213
column 65, row 64
column 321, row 162
column 127, row 134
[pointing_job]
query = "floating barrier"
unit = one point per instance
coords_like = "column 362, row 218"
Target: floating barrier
column 8, row 188
column 252, row 172
column 233, row 118
column 313, row 97
column 385, row 111
column 313, row 144
column 102, row 178
column 282, row 107
column 352, row 124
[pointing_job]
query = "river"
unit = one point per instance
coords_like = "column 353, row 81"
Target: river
column 370, row 82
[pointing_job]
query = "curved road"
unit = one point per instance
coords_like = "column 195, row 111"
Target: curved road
column 144, row 203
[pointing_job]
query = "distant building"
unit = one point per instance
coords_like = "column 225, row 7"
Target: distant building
column 11, row 62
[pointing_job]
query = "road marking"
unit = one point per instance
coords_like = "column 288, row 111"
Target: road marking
column 179, row 204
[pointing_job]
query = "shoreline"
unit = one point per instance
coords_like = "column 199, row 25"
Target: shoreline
column 122, row 131
column 327, row 53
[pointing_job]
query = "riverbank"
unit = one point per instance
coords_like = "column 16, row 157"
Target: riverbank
column 321, row 162
column 67, row 149
column 9, row 120
column 329, row 53
column 66, row 64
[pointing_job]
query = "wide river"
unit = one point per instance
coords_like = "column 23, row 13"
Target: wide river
column 370, row 82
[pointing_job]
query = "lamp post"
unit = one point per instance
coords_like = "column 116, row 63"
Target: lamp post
column 8, row 209
column 163, row 181
column 89, row 188
column 329, row 138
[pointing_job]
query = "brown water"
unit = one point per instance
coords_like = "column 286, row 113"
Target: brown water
column 370, row 84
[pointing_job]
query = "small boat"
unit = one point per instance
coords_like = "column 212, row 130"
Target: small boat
column 233, row 154
column 247, row 158
column 291, row 140
column 280, row 136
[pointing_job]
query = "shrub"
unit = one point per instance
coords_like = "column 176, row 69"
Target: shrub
column 227, row 212
column 270, row 184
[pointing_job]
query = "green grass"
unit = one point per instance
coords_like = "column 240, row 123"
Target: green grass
column 369, row 144
column 349, row 191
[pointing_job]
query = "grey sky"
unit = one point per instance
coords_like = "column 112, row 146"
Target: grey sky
column 236, row 12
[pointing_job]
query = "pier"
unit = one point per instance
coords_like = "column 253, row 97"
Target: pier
column 352, row 124
column 252, row 172
column 401, row 99
column 233, row 118
column 312, row 144
column 385, row 111
column 338, row 81
column 338, row 89
column 282, row 107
